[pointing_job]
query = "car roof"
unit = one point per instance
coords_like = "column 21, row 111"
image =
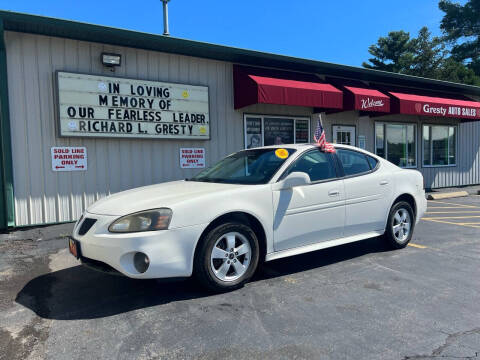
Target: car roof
column 308, row 146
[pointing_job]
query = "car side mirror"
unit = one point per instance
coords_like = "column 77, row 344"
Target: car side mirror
column 293, row 179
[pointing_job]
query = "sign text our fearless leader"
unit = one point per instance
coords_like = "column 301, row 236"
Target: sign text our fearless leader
column 104, row 106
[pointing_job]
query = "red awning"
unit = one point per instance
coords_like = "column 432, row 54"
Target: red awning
column 369, row 99
column 436, row 106
column 253, row 88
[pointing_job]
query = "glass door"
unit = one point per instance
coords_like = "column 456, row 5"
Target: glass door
column 344, row 135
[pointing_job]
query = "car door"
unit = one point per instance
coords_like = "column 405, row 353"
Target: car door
column 312, row 213
column 367, row 192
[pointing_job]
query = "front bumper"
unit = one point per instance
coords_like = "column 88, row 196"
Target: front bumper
column 170, row 252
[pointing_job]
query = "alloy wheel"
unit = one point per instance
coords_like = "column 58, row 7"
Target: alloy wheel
column 230, row 256
column 402, row 224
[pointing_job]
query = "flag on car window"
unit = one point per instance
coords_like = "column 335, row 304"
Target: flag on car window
column 320, row 139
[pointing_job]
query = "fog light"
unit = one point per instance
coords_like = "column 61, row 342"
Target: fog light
column 141, row 262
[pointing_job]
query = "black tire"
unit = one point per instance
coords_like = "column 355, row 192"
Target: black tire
column 390, row 236
column 202, row 269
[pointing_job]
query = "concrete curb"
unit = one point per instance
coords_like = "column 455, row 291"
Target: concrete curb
column 446, row 195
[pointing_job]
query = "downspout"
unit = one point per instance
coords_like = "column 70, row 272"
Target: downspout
column 7, row 213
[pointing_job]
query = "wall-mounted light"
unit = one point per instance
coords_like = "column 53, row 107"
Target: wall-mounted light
column 111, row 60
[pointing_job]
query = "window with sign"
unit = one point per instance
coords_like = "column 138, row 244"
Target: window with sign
column 397, row 143
column 275, row 130
column 439, row 143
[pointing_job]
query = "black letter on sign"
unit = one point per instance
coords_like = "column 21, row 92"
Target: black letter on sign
column 103, row 100
column 71, row 111
column 115, row 89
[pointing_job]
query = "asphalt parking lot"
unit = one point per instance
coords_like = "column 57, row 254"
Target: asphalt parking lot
column 357, row 301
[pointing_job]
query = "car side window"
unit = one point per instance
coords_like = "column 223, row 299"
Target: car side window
column 353, row 162
column 316, row 164
column 372, row 161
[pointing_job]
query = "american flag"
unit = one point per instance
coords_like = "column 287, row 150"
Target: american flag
column 320, row 139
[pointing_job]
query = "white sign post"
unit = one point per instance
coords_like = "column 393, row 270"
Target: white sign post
column 68, row 158
column 105, row 106
column 192, row 158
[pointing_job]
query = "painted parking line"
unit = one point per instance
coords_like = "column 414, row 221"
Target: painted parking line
column 450, row 203
column 452, row 223
column 417, row 246
column 453, row 212
column 444, row 207
column 451, row 217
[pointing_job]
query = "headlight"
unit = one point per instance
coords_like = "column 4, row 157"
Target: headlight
column 149, row 220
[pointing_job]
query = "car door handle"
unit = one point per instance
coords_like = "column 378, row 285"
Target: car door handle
column 333, row 193
column 384, row 182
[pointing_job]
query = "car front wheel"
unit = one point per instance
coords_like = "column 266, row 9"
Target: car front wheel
column 227, row 257
column 400, row 224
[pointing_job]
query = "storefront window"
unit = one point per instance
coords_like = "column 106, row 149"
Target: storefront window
column 269, row 130
column 301, row 131
column 278, row 131
column 253, row 130
column 396, row 143
column 439, row 144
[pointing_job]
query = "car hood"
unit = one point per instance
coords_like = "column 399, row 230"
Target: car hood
column 155, row 196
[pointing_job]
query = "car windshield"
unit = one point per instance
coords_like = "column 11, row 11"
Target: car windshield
column 256, row 166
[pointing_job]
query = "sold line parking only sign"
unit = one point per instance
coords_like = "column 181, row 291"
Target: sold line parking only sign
column 192, row 158
column 69, row 158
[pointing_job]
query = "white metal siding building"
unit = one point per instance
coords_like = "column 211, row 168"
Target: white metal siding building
column 35, row 48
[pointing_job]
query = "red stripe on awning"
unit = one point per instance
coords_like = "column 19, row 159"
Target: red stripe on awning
column 436, row 106
column 297, row 93
column 251, row 87
column 369, row 99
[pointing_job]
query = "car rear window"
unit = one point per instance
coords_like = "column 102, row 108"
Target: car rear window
column 372, row 161
column 353, row 162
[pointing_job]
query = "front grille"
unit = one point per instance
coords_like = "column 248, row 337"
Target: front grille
column 99, row 266
column 86, row 225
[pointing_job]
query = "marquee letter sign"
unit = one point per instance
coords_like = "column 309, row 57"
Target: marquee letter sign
column 103, row 106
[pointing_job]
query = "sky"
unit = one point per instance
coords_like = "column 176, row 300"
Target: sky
column 338, row 31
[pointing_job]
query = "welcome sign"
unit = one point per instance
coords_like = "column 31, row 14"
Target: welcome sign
column 103, row 106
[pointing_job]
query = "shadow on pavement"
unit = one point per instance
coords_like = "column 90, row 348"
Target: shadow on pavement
column 81, row 293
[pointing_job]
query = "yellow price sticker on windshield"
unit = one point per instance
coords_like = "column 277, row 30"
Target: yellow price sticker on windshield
column 281, row 153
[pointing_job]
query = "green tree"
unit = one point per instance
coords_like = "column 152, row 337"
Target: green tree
column 455, row 71
column 461, row 26
column 428, row 55
column 392, row 53
column 424, row 56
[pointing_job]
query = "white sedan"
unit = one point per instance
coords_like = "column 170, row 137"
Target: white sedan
column 254, row 205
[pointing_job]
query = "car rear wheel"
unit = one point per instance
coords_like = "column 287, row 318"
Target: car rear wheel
column 227, row 257
column 400, row 224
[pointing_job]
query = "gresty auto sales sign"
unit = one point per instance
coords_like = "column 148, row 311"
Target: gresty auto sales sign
column 105, row 106
column 438, row 107
column 447, row 110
